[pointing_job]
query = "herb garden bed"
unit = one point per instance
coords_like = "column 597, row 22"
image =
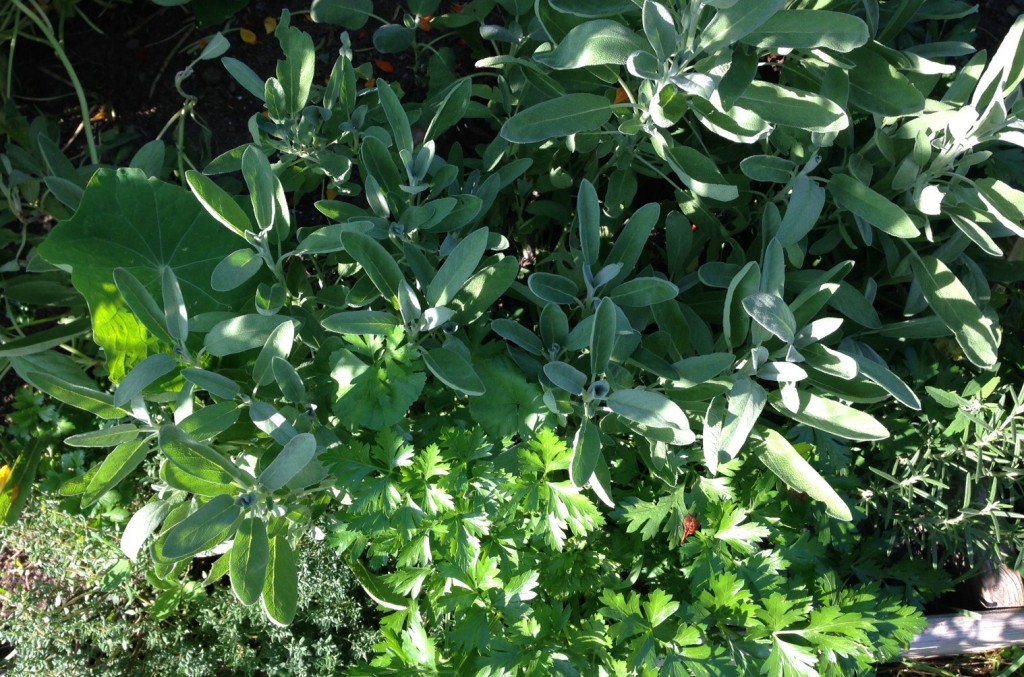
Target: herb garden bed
column 675, row 338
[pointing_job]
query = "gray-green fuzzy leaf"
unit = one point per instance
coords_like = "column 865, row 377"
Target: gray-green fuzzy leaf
column 788, row 465
column 955, row 306
column 870, row 205
column 593, row 43
column 554, row 118
column 295, row 456
column 248, row 560
column 210, row 525
column 832, row 417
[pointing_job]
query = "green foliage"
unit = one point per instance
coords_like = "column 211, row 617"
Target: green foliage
column 84, row 609
column 490, row 366
column 958, row 493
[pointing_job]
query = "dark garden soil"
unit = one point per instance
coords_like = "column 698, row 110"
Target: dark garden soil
column 128, row 71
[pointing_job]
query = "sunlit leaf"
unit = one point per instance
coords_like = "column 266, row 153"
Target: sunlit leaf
column 142, row 225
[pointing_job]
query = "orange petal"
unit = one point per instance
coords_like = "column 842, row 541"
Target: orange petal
column 425, row 23
column 248, row 37
column 270, row 24
column 370, row 83
column 384, row 65
column 331, row 193
column 621, row 96
column 457, row 8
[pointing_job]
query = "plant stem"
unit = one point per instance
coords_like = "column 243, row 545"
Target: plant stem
column 37, row 17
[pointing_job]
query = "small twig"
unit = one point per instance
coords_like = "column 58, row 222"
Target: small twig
column 186, row 32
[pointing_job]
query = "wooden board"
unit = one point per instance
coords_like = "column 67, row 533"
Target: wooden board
column 968, row 632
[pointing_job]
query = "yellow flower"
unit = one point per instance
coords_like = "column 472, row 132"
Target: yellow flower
column 5, row 475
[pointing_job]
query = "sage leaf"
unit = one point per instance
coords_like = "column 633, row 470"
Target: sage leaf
column 735, row 20
column 563, row 116
column 118, row 464
column 632, row 239
column 772, row 313
column 694, row 169
column 235, row 269
column 893, row 384
column 351, row 14
column 746, row 400
column 714, row 419
column 641, row 292
column 278, row 344
column 809, row 29
column 248, row 560
column 770, row 169
column 393, row 111
column 694, row 371
column 779, row 456
column 486, row 286
column 735, row 320
column 602, row 337
column 832, row 417
column 393, row 38
column 586, row 453
column 453, row 370
column 105, row 437
column 95, row 402
column 295, row 72
column 870, row 205
column 457, row 268
column 802, row 211
column 516, row 333
column 953, row 304
column 593, row 43
column 378, row 264
column 376, row 322
column 280, row 596
column 143, row 375
column 567, row 377
column 648, row 408
column 377, row 589
column 588, row 217
column 141, row 526
column 660, row 29
column 210, row 421
column 141, row 304
column 877, row 87
column 218, row 203
column 216, row 384
column 451, row 109
column 793, row 108
column 553, row 288
column 271, row 421
column 288, row 380
column 200, row 460
column 293, row 457
column 245, row 332
column 262, row 183
column 210, row 525
column 245, row 76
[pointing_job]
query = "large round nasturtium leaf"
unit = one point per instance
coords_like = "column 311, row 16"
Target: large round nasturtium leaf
column 126, row 220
